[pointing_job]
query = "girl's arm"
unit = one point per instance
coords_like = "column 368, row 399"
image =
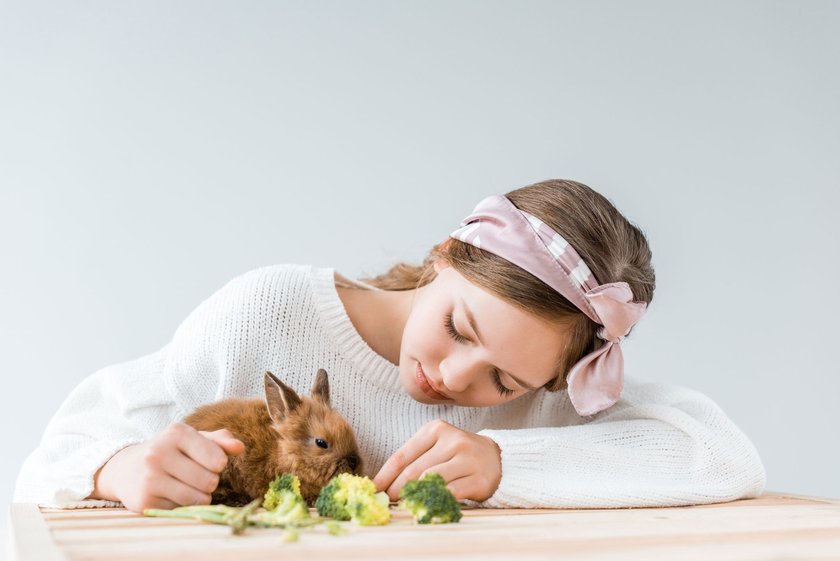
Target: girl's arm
column 129, row 403
column 660, row 445
column 113, row 408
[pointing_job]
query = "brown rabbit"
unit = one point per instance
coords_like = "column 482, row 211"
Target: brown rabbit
column 284, row 433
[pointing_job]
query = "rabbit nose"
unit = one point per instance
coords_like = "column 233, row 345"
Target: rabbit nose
column 352, row 461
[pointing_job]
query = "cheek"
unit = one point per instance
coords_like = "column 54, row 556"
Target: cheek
column 423, row 338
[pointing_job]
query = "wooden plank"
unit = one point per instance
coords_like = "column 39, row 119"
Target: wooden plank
column 818, row 544
column 29, row 537
column 592, row 525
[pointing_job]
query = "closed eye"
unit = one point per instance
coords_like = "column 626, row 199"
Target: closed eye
column 450, row 327
column 497, row 380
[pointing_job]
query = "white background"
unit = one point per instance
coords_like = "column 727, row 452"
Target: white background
column 151, row 151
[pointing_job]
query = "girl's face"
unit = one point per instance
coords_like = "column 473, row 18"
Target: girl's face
column 498, row 356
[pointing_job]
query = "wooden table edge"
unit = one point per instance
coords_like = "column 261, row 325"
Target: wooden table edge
column 29, row 536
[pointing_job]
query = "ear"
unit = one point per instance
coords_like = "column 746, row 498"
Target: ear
column 321, row 387
column 440, row 264
column 280, row 398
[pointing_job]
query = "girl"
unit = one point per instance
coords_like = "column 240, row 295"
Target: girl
column 496, row 363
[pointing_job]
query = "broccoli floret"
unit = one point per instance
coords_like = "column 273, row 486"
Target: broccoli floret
column 282, row 483
column 370, row 510
column 429, row 501
column 290, row 510
column 283, row 503
column 353, row 497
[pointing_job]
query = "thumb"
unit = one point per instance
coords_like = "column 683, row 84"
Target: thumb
column 232, row 446
column 229, row 443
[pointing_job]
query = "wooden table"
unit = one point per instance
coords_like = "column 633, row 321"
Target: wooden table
column 774, row 526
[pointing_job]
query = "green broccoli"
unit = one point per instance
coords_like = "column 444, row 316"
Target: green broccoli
column 429, row 501
column 353, row 497
column 290, row 510
column 283, row 482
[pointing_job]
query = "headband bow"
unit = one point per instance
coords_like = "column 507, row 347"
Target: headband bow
column 497, row 226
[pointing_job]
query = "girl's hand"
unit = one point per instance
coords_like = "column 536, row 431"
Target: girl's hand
column 470, row 463
column 179, row 466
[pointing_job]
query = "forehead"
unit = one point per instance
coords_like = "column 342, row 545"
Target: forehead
column 322, row 421
column 521, row 342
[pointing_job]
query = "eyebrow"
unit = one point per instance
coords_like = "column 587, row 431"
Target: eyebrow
column 474, row 326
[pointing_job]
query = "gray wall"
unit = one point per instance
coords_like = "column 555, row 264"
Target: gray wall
column 150, row 151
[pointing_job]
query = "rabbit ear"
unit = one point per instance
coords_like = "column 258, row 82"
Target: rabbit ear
column 280, row 398
column 321, row 387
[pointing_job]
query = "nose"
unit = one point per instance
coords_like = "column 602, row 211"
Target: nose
column 458, row 371
column 352, row 461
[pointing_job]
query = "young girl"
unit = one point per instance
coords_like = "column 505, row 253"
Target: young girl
column 496, row 363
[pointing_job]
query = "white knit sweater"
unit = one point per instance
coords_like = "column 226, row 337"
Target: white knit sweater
column 659, row 445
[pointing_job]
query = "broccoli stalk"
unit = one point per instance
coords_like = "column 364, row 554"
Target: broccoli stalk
column 283, row 503
column 235, row 517
column 429, row 501
column 353, row 497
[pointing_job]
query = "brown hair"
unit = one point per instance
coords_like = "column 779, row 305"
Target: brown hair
column 613, row 248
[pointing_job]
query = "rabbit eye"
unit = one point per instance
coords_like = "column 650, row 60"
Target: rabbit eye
column 321, row 442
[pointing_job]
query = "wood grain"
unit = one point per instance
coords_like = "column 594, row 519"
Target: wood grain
column 773, row 526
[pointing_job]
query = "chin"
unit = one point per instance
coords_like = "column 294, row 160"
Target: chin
column 415, row 393
column 408, row 386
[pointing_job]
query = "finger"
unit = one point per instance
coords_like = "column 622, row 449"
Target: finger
column 188, row 471
column 141, row 503
column 462, row 488
column 449, row 470
column 161, row 503
column 169, row 488
column 203, row 450
column 413, row 448
column 435, row 457
column 230, row 444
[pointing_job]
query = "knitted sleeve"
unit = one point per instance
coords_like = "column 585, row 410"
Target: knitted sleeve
column 115, row 407
column 130, row 402
column 659, row 445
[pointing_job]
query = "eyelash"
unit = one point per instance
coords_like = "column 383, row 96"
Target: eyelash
column 497, row 381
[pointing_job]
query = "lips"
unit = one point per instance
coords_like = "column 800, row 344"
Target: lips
column 425, row 384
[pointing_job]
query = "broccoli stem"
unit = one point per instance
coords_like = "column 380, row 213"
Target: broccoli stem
column 239, row 520
column 205, row 515
column 236, row 518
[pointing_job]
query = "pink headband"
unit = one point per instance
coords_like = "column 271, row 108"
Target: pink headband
column 497, row 226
